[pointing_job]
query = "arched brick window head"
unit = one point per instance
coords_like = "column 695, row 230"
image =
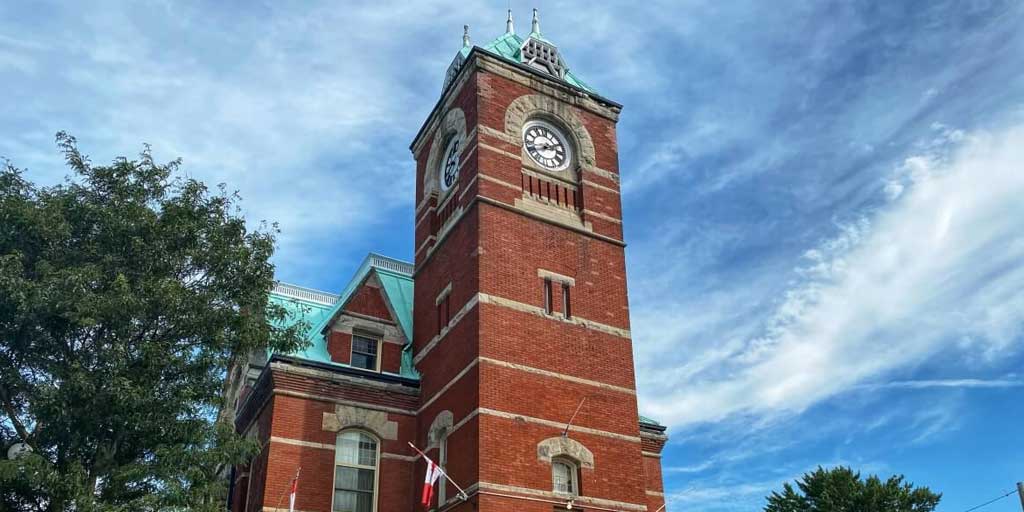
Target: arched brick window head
column 560, row 447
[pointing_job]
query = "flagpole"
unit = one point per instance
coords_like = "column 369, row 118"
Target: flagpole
column 297, row 471
column 462, row 493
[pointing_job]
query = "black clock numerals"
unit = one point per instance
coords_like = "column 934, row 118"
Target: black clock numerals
column 451, row 164
column 545, row 147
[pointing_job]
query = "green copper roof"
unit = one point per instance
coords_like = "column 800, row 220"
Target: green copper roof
column 318, row 309
column 312, row 312
column 649, row 421
column 508, row 46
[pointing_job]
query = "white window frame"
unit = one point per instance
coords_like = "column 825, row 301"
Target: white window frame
column 352, row 351
column 376, row 467
column 574, row 475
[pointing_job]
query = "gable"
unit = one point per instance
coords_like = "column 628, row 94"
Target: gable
column 368, row 300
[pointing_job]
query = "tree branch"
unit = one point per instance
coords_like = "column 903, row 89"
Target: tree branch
column 12, row 414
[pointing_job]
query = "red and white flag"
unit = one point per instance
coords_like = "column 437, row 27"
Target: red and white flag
column 291, row 495
column 433, row 473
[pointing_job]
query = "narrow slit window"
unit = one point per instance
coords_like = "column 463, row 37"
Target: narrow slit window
column 548, row 302
column 566, row 301
column 442, row 461
column 440, row 317
column 444, row 313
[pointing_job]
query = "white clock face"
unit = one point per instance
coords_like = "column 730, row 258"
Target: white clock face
column 448, row 174
column 546, row 145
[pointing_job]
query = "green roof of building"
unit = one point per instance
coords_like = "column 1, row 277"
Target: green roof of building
column 508, row 46
column 318, row 309
column 649, row 421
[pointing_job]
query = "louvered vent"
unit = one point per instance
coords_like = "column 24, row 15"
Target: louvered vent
column 543, row 56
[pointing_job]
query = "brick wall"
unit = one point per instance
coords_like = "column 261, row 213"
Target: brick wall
column 369, row 301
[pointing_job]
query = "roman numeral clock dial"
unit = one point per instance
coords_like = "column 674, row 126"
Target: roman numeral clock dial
column 546, row 145
column 449, row 172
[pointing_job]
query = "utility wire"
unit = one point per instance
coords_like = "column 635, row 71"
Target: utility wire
column 991, row 501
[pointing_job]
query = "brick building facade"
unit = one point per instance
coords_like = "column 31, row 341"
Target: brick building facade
column 512, row 322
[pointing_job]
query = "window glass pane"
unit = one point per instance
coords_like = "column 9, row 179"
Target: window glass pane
column 353, row 479
column 566, row 302
column 364, row 361
column 350, row 501
column 346, row 478
column 367, row 452
column 348, row 448
column 365, row 480
column 561, row 474
column 364, row 502
column 356, row 448
column 364, row 345
column 344, row 501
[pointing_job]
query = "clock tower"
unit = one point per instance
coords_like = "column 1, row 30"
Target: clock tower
column 503, row 352
column 522, row 337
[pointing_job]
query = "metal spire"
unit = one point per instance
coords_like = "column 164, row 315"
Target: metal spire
column 535, row 27
column 465, row 36
column 509, row 29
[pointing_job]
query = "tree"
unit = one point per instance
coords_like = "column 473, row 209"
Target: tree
column 130, row 301
column 842, row 490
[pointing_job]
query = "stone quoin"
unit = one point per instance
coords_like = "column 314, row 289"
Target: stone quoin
column 512, row 321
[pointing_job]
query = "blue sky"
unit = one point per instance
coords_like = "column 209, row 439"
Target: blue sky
column 822, row 199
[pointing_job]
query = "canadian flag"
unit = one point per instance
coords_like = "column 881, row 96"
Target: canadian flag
column 291, row 495
column 433, row 473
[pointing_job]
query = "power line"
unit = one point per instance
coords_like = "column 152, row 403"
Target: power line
column 976, row 507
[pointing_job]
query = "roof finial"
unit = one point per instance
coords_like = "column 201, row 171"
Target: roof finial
column 465, row 35
column 535, row 28
column 509, row 29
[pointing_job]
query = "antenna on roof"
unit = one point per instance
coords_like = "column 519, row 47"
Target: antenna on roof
column 535, row 27
column 509, row 28
column 465, row 35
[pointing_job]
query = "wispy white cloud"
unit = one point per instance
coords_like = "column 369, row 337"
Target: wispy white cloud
column 935, row 270
column 304, row 110
column 693, row 468
column 947, row 383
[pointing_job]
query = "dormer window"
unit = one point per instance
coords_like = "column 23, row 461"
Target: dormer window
column 365, row 352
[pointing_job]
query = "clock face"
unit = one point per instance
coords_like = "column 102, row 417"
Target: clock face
column 449, row 172
column 546, row 145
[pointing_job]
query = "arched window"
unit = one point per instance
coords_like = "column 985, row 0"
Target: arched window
column 355, row 472
column 565, row 476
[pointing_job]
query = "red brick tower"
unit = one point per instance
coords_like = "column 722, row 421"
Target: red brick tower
column 504, row 352
column 520, row 290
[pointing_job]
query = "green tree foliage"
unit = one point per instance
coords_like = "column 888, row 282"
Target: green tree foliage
column 842, row 490
column 130, row 300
